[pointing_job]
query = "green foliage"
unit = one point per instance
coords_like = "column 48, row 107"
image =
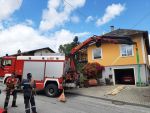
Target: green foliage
column 66, row 48
column 82, row 78
column 79, row 66
column 75, row 41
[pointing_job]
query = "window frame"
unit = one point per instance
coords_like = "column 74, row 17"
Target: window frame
column 126, row 54
column 93, row 53
column 7, row 64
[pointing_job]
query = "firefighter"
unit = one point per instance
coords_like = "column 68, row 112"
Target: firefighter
column 11, row 86
column 29, row 92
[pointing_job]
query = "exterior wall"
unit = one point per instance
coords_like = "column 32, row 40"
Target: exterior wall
column 44, row 52
column 146, row 55
column 111, row 54
column 144, row 72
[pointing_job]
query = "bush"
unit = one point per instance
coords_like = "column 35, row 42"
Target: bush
column 92, row 70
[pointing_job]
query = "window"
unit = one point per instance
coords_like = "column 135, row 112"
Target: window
column 7, row 63
column 126, row 50
column 97, row 53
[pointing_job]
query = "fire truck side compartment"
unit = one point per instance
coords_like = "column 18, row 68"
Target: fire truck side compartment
column 54, row 69
column 36, row 68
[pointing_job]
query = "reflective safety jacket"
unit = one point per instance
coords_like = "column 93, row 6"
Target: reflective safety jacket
column 28, row 87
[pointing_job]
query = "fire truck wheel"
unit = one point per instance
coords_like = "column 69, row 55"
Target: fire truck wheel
column 51, row 90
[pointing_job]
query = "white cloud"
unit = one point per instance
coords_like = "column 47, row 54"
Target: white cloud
column 75, row 19
column 110, row 13
column 29, row 22
column 80, row 35
column 89, row 19
column 26, row 38
column 8, row 7
column 58, row 12
column 1, row 27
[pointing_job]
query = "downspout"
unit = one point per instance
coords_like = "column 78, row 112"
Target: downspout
column 138, row 64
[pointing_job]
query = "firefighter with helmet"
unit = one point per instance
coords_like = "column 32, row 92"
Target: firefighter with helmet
column 29, row 92
column 11, row 86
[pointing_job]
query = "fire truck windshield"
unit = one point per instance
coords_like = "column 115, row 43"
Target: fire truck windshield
column 6, row 62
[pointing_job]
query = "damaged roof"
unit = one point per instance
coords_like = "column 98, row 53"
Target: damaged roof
column 130, row 33
column 124, row 32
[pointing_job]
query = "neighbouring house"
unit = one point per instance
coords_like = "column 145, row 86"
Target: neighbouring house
column 37, row 52
column 123, row 64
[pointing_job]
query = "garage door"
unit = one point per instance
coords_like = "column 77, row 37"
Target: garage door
column 124, row 76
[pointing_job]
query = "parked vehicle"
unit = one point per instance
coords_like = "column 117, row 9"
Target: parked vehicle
column 127, row 79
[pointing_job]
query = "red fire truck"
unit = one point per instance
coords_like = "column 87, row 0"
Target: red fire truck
column 48, row 71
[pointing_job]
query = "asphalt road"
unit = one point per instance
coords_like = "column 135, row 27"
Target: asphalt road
column 74, row 104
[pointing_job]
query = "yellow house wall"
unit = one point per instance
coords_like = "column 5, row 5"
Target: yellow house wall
column 111, row 54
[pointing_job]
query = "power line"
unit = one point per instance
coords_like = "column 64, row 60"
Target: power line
column 143, row 18
column 83, row 15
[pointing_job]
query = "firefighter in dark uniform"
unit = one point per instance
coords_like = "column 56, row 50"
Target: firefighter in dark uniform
column 11, row 86
column 29, row 92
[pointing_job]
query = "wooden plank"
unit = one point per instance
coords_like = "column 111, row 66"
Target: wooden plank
column 116, row 90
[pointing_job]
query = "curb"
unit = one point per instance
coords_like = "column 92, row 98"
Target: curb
column 113, row 101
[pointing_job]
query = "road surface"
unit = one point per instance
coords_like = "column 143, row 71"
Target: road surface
column 74, row 104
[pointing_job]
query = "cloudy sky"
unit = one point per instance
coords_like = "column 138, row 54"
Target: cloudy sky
column 34, row 24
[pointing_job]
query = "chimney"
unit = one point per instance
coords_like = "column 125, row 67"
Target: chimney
column 112, row 28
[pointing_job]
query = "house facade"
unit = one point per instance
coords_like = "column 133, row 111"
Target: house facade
column 124, row 64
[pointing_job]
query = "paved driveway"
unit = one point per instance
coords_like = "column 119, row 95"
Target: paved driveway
column 130, row 94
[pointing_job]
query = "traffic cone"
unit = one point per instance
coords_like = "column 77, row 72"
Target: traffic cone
column 62, row 97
